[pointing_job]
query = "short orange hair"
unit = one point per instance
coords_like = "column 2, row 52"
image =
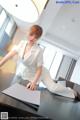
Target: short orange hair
column 37, row 30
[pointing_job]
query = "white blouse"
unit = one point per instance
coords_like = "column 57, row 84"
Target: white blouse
column 26, row 67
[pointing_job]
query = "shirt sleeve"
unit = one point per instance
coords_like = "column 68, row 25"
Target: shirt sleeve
column 40, row 58
column 18, row 47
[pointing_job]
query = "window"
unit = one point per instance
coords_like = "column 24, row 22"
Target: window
column 52, row 59
column 7, row 29
column 10, row 27
column 55, row 65
column 3, row 17
column 0, row 9
column 48, row 56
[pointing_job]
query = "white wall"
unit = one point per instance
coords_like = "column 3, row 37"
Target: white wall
column 76, row 73
column 69, row 52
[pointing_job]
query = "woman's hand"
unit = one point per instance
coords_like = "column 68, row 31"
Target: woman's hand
column 32, row 85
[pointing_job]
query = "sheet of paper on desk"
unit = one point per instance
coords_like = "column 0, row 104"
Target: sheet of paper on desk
column 21, row 93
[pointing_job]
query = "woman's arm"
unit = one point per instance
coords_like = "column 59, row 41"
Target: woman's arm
column 7, row 57
column 32, row 85
column 38, row 74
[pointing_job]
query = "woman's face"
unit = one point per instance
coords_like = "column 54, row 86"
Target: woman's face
column 32, row 38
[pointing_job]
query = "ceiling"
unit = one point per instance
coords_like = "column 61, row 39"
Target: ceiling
column 64, row 30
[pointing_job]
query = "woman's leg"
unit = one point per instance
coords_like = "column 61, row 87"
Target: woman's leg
column 56, row 88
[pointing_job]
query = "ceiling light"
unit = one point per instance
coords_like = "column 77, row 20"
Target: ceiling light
column 25, row 10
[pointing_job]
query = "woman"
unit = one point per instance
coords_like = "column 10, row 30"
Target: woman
column 30, row 62
column 30, row 65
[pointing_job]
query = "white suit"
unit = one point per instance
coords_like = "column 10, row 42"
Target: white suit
column 27, row 69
